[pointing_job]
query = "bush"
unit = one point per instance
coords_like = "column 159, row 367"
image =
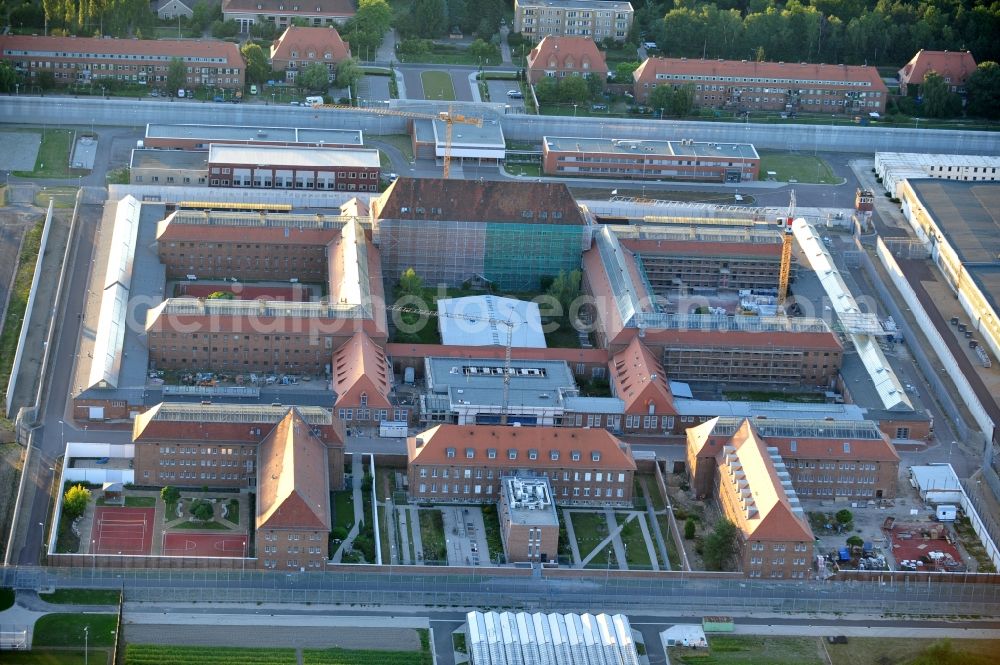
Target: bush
column 689, row 528
column 338, row 533
column 170, row 494
column 202, row 510
column 75, row 501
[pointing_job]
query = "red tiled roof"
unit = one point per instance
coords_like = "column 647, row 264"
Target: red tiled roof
column 360, row 366
column 293, row 486
column 71, row 46
column 614, row 454
column 273, row 235
column 953, row 65
column 478, row 201
column 639, row 380
column 309, row 44
column 321, row 8
column 647, row 71
column 567, row 54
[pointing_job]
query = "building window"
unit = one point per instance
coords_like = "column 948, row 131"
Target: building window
column 491, row 453
column 511, row 453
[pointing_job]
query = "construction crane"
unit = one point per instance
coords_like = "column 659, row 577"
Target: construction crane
column 449, row 118
column 785, row 271
column 509, row 324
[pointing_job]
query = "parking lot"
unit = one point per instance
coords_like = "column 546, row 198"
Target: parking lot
column 498, row 94
column 465, row 535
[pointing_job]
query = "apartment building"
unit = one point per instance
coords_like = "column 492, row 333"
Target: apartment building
column 639, row 380
column 560, row 56
column 314, row 13
column 506, row 234
column 636, row 159
column 465, row 463
column 825, row 459
column 362, row 382
column 596, row 19
column 752, row 485
column 529, row 525
column 218, row 445
column 82, row 60
column 298, row 47
column 955, row 67
column 744, row 86
column 293, row 497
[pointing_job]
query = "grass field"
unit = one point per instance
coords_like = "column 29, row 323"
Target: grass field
column 590, row 530
column 131, row 502
column 233, row 511
column 432, row 535
column 899, row 651
column 53, row 155
column 400, row 142
column 363, row 657
column 636, row 552
column 518, row 168
column 66, row 630
column 437, row 85
column 65, row 197
column 56, row 657
column 343, row 509
column 81, row 597
column 800, row 167
column 750, row 650
column 156, row 654
column 19, row 299
column 196, row 526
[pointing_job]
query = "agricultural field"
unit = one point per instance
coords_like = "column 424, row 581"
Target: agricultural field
column 156, row 654
column 752, row 650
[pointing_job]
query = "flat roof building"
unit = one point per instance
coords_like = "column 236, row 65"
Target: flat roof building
column 481, row 321
column 895, row 167
column 649, row 159
column 529, row 525
column 597, row 19
column 469, row 143
column 199, row 137
column 775, row 86
column 169, row 167
column 280, row 167
column 76, row 60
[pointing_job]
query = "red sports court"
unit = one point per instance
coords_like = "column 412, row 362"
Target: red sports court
column 204, row 544
column 122, row 531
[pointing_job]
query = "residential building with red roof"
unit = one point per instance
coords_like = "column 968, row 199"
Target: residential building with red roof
column 750, row 481
column 81, row 60
column 193, row 445
column 465, row 463
column 362, row 381
column 560, row 56
column 639, row 380
column 955, row 67
column 767, row 86
column 847, row 460
column 316, row 13
column 298, row 47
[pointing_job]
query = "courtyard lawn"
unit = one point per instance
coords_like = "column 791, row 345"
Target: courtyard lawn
column 750, row 650
column 81, row 596
column 437, row 85
column 799, row 167
column 590, row 530
column 343, row 509
column 635, row 544
column 53, row 155
column 432, row 536
column 66, row 630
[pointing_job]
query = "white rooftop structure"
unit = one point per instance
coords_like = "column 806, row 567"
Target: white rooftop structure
column 936, row 483
column 529, row 500
column 278, row 156
column 863, row 327
column 482, row 321
column 895, row 167
column 684, row 635
column 506, row 638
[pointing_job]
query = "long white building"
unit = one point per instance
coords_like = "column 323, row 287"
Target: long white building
column 506, row 638
column 895, row 167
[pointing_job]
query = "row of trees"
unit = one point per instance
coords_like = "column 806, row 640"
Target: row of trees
column 568, row 90
column 877, row 32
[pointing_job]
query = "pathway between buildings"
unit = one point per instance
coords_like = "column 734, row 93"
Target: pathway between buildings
column 654, row 524
column 615, row 530
column 571, row 535
column 357, row 475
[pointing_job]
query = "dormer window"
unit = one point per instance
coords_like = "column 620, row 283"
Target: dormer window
column 575, row 456
column 554, row 455
column 532, row 454
column 312, row 54
column 511, row 453
column 449, row 452
column 595, row 457
column 364, row 399
column 295, row 54
column 491, row 453
column 470, row 453
column 327, row 56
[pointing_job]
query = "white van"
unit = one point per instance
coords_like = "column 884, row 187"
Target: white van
column 313, row 101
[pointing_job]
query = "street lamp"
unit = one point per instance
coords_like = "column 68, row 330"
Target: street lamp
column 86, row 644
column 574, row 110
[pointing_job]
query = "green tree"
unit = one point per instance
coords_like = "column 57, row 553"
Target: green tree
column 348, row 73
column 75, row 501
column 682, row 101
column 565, row 288
column 661, row 97
column 373, row 15
column 844, row 517
column 176, row 75
column 314, row 77
column 983, row 89
column 547, row 90
column 339, row 533
column 574, row 90
column 428, row 18
column 484, row 50
column 939, row 100
column 720, row 546
column 410, row 283
column 623, row 71
column 855, row 541
column 257, row 69
column 203, row 14
column 225, row 29
column 8, row 77
column 46, row 80
column 170, row 494
column 202, row 510
column 689, row 528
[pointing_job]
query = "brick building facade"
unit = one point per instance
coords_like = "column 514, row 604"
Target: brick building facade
column 279, row 167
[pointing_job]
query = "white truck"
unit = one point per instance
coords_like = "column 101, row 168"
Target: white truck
column 946, row 513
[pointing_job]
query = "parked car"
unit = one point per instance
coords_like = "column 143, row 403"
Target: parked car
column 515, row 94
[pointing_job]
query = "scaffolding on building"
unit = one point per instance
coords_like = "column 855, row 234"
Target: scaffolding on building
column 803, row 429
column 188, row 412
column 263, row 219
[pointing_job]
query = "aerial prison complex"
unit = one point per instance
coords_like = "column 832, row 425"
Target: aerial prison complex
column 192, row 302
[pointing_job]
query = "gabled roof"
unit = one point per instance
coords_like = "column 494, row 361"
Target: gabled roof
column 567, row 53
column 639, row 380
column 321, row 44
column 293, row 479
column 360, row 366
column 699, row 435
column 237, row 423
column 96, row 48
column 478, row 201
column 435, row 442
column 804, row 72
column 323, row 8
column 763, row 500
column 955, row 66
